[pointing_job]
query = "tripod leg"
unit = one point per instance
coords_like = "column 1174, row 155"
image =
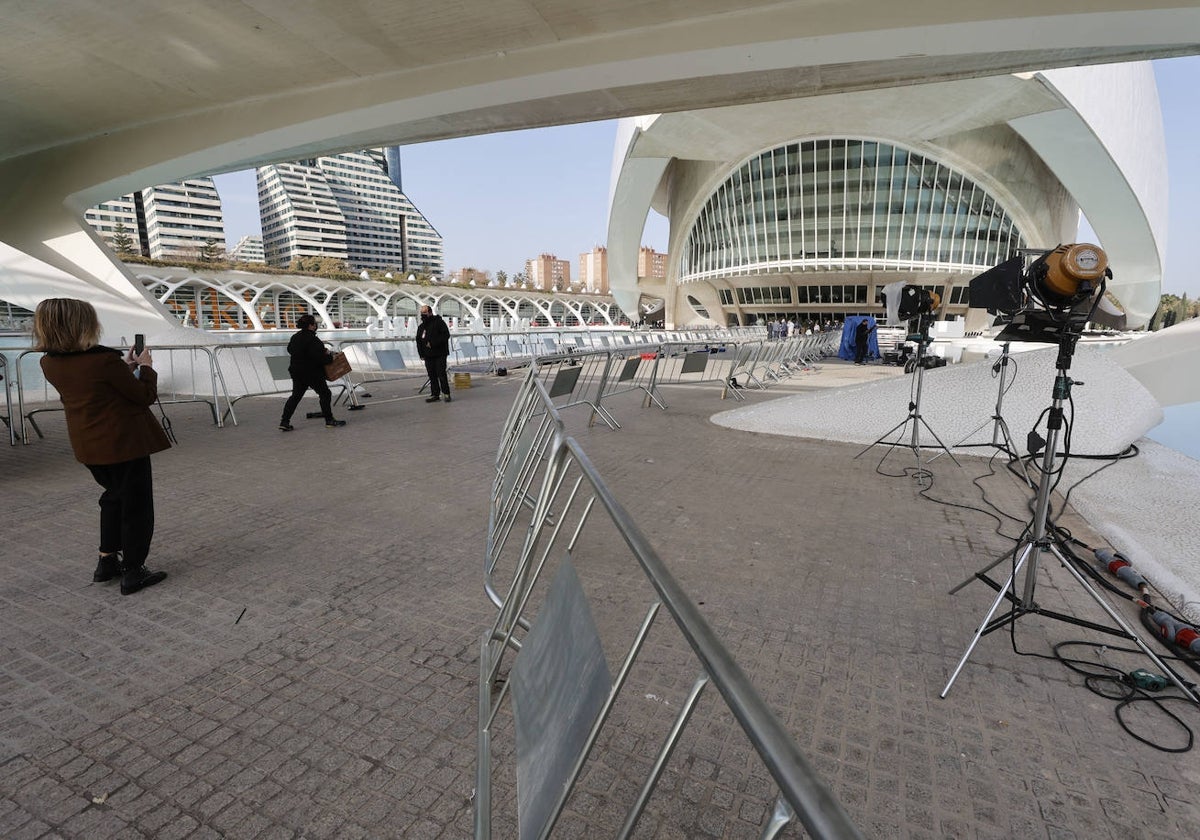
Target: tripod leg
column 939, row 440
column 880, row 440
column 1011, row 448
column 1006, row 555
column 987, row 619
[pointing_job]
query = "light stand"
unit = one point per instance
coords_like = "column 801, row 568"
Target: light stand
column 999, row 426
column 914, row 414
column 1036, row 540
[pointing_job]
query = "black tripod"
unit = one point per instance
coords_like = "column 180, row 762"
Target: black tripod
column 1036, row 539
column 1002, row 438
column 914, row 417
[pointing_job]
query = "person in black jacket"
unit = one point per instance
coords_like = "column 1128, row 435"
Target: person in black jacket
column 861, row 334
column 433, row 345
column 309, row 358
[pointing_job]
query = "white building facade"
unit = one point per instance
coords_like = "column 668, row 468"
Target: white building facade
column 348, row 207
column 249, row 249
column 183, row 219
column 806, row 208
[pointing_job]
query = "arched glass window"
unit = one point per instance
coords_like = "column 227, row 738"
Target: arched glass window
column 846, row 204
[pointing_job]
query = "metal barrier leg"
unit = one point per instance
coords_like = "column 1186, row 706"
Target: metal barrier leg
column 664, row 755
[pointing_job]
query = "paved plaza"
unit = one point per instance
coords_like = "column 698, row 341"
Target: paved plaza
column 310, row 667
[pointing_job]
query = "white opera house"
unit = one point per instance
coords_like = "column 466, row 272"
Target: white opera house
column 806, row 208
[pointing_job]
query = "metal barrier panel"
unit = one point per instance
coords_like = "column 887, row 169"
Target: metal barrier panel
column 691, row 363
column 560, row 681
column 8, row 404
column 579, row 377
column 551, row 644
column 186, row 374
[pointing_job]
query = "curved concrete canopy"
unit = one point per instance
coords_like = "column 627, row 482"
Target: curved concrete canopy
column 101, row 99
column 1096, row 132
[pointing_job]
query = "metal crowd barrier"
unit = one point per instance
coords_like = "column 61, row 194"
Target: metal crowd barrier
column 696, row 362
column 8, row 405
column 574, row 379
column 181, row 379
column 558, row 685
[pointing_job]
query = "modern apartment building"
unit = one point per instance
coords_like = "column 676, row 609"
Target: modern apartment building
column 650, row 264
column 349, row 207
column 116, row 217
column 170, row 221
column 548, row 273
column 593, row 270
column 183, row 220
column 249, row 249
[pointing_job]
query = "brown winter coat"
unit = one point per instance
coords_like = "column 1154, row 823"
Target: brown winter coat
column 107, row 407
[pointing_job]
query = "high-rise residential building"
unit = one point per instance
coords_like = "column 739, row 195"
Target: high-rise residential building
column 650, row 264
column 114, row 218
column 548, row 273
column 299, row 215
column 349, row 207
column 180, row 221
column 593, row 270
column 249, row 249
column 183, row 220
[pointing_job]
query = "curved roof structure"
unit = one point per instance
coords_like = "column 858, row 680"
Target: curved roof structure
column 104, row 99
column 938, row 180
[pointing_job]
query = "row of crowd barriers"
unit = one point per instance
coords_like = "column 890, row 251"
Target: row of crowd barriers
column 617, row 362
column 595, row 378
column 544, row 655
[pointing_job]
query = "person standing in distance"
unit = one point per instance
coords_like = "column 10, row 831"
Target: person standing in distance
column 433, row 345
column 307, row 368
column 107, row 402
column 861, row 335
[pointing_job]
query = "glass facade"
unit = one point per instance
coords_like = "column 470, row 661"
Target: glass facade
column 841, row 204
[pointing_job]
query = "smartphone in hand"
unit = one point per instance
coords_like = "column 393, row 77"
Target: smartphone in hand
column 139, row 344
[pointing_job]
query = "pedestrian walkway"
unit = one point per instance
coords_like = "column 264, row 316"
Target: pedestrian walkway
column 309, row 668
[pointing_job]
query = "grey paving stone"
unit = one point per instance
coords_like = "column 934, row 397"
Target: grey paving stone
column 309, row 667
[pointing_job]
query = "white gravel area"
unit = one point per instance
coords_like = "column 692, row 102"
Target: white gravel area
column 1145, row 506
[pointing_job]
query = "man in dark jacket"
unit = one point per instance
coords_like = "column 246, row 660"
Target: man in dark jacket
column 433, row 345
column 861, row 335
column 307, row 368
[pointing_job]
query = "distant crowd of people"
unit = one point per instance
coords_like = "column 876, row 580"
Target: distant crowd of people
column 786, row 329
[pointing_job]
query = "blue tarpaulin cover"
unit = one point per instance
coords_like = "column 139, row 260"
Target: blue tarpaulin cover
column 846, row 350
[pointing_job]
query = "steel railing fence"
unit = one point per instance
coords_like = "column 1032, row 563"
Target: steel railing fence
column 545, row 494
column 9, row 420
column 186, row 374
column 251, row 369
column 613, row 362
column 702, row 362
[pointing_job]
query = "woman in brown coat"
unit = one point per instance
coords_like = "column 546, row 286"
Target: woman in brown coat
column 107, row 401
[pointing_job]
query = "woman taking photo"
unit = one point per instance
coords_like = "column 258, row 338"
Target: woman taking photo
column 107, row 401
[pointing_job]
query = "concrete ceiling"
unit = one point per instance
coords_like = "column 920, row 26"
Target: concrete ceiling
column 98, row 99
column 72, row 70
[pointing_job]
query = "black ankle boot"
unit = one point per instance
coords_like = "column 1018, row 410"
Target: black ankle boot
column 134, row 579
column 107, row 568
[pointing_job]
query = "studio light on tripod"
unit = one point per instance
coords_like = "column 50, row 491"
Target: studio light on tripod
column 904, row 302
column 1063, row 289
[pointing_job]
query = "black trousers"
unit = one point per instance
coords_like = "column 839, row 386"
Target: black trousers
column 860, row 352
column 126, row 509
column 300, row 384
column 435, row 366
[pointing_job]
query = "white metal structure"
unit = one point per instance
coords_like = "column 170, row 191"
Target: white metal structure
column 942, row 181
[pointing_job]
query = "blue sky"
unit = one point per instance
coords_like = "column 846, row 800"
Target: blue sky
column 500, row 199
